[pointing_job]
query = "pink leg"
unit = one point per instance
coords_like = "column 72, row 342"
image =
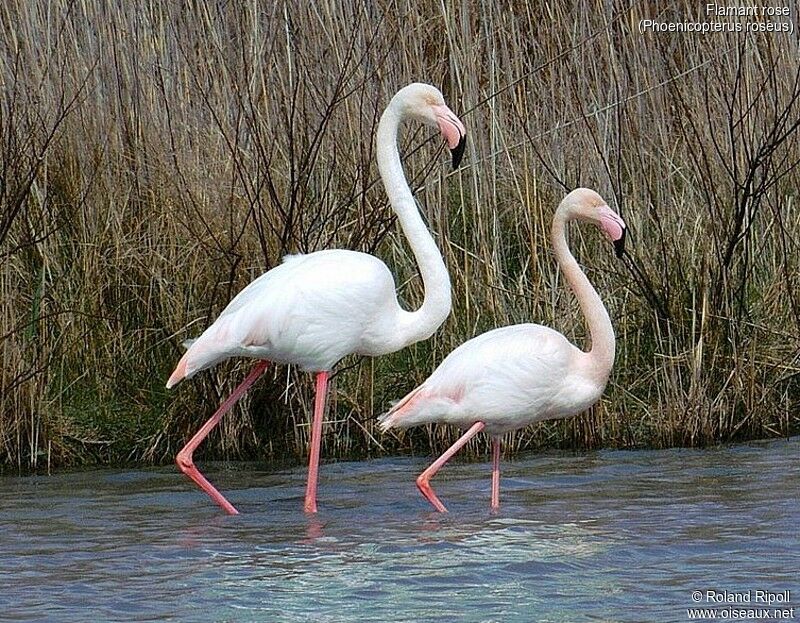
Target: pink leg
column 423, row 481
column 495, row 473
column 184, row 458
column 316, row 441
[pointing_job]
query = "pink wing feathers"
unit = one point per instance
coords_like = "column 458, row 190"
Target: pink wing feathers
column 495, row 377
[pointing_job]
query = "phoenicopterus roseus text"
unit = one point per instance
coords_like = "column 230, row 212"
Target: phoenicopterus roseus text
column 510, row 377
column 314, row 309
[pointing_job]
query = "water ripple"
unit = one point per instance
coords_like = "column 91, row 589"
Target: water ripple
column 604, row 536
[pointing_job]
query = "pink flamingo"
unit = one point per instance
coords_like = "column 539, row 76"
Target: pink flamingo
column 511, row 377
column 314, row 309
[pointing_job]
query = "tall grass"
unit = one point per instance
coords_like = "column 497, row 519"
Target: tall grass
column 157, row 156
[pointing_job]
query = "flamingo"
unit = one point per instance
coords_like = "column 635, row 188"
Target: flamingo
column 314, row 309
column 510, row 377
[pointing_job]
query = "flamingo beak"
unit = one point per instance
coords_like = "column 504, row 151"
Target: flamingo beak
column 614, row 227
column 458, row 152
column 619, row 244
column 453, row 132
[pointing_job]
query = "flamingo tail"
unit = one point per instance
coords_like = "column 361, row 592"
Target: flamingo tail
column 400, row 410
column 180, row 372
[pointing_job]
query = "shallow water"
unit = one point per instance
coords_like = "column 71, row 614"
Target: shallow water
column 602, row 536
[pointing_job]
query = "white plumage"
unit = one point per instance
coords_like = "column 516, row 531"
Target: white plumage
column 311, row 311
column 314, row 309
column 508, row 378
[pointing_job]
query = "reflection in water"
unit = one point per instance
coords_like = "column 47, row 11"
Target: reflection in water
column 607, row 536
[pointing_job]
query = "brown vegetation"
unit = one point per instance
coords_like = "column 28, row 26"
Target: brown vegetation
column 155, row 158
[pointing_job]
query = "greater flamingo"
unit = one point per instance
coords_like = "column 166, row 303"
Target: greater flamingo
column 507, row 378
column 314, row 309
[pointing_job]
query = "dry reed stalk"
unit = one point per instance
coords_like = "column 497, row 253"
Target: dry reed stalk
column 155, row 158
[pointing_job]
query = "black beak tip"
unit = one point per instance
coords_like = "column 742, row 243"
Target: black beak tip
column 458, row 151
column 619, row 245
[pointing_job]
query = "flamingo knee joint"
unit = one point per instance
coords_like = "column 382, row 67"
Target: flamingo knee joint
column 185, row 462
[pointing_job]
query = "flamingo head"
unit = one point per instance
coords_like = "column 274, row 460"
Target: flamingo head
column 587, row 205
column 425, row 103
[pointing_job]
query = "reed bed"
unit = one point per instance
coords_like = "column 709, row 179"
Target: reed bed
column 157, row 156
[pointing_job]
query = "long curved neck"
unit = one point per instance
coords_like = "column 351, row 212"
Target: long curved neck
column 601, row 355
column 421, row 324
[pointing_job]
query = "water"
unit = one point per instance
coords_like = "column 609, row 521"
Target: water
column 603, row 536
